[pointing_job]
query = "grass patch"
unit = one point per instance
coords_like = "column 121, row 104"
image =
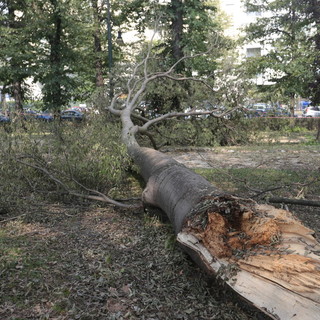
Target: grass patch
column 250, row 181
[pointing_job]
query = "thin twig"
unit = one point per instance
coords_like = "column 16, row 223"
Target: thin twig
column 258, row 193
column 12, row 218
column 98, row 196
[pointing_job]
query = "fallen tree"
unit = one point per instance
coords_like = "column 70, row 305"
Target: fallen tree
column 263, row 253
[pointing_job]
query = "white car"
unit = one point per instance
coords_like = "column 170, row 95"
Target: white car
column 312, row 112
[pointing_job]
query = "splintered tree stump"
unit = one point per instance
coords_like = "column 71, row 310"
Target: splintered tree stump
column 263, row 253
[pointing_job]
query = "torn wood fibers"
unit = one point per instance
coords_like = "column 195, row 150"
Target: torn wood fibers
column 263, row 253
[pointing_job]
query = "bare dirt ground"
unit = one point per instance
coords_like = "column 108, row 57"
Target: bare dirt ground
column 73, row 261
column 276, row 157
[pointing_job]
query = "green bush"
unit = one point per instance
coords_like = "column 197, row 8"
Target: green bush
column 207, row 132
column 235, row 130
column 35, row 154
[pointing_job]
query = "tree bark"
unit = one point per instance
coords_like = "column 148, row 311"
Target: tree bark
column 97, row 45
column 170, row 185
column 18, row 96
column 263, row 253
column 177, row 31
column 16, row 80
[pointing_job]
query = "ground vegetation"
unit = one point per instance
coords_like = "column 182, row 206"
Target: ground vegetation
column 121, row 264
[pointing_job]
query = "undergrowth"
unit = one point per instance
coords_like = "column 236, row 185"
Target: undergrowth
column 264, row 182
column 45, row 160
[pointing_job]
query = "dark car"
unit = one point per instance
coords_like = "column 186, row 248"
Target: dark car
column 4, row 119
column 277, row 112
column 45, row 116
column 29, row 114
column 72, row 115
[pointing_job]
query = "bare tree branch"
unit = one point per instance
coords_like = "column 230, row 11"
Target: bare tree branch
column 300, row 202
column 12, row 218
column 133, row 98
column 98, row 196
column 184, row 114
column 112, row 108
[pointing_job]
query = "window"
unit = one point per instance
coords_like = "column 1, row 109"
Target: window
column 253, row 52
column 253, row 13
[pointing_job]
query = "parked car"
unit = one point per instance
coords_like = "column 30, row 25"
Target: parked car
column 257, row 110
column 29, row 114
column 277, row 112
column 4, row 119
column 45, row 116
column 312, row 112
column 72, row 115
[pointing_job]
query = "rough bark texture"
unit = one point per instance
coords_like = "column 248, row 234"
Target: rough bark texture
column 97, row 44
column 170, row 185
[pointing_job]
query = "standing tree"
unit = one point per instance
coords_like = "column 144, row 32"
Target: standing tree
column 16, row 49
column 97, row 36
column 312, row 14
column 60, row 36
column 289, row 31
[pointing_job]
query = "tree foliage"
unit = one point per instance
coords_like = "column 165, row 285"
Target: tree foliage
column 63, row 44
column 289, row 30
column 61, row 34
column 16, row 51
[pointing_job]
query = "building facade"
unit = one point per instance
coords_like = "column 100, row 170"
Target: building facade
column 236, row 19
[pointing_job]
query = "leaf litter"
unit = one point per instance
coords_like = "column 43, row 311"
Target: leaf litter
column 69, row 262
column 64, row 263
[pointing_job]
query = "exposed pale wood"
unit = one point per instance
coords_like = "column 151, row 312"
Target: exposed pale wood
column 278, row 269
column 271, row 298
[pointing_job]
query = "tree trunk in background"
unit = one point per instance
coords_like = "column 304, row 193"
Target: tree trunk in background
column 314, row 11
column 54, row 94
column 97, row 44
column 177, row 31
column 55, row 60
column 16, row 82
column 17, row 96
column 4, row 103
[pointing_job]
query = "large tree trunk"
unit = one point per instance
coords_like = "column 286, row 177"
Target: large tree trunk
column 170, row 185
column 263, row 253
column 177, row 31
column 18, row 96
column 97, row 44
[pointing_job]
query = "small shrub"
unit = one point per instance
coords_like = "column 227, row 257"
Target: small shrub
column 88, row 154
